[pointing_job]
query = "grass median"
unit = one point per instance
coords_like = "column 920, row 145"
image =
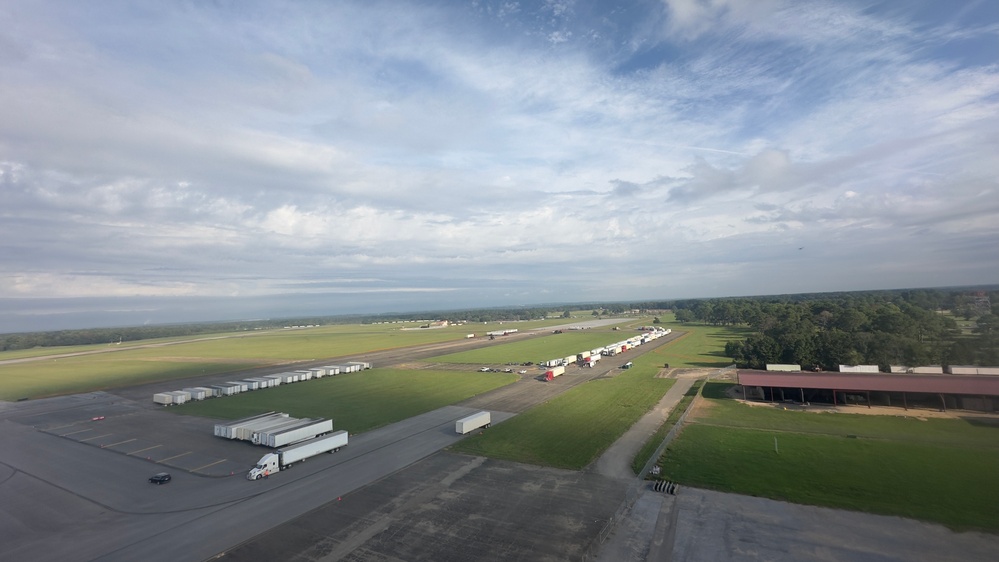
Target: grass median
column 571, row 430
column 356, row 402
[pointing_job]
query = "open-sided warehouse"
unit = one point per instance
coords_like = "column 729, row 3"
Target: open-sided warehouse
column 938, row 391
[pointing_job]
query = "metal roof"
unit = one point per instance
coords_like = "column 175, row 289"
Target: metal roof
column 978, row 385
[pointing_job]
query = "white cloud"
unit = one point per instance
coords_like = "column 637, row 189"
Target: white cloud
column 437, row 148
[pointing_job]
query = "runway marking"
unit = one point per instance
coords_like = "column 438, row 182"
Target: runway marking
column 74, row 432
column 120, row 442
column 175, row 456
column 146, row 449
column 94, row 437
column 207, row 465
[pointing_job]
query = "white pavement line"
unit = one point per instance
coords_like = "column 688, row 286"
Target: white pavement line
column 209, row 464
column 94, row 437
column 120, row 442
column 74, row 432
column 146, row 449
column 175, row 456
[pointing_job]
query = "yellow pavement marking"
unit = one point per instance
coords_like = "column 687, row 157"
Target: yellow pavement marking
column 207, row 465
column 94, row 437
column 146, row 449
column 120, row 442
column 175, row 456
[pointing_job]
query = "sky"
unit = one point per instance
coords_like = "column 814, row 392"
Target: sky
column 196, row 161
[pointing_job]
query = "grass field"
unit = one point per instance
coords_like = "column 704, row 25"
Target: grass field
column 571, row 430
column 356, row 402
column 702, row 346
column 940, row 470
column 126, row 366
column 538, row 349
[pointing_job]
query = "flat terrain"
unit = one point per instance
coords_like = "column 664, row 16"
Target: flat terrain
column 931, row 469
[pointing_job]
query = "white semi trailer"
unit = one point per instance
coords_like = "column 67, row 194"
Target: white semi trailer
column 283, row 458
column 308, row 430
column 472, row 422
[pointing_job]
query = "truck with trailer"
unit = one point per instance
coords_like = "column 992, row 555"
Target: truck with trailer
column 294, row 434
column 550, row 374
column 281, row 459
column 473, row 422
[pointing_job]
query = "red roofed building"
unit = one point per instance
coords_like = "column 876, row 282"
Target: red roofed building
column 965, row 392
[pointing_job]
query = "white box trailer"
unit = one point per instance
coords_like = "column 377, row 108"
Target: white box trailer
column 569, row 360
column 318, row 372
column 275, row 379
column 179, row 396
column 859, row 369
column 263, row 382
column 224, row 389
column 279, row 460
column 332, row 370
column 251, row 384
column 197, row 393
column 225, row 429
column 472, row 422
column 362, row 364
column 303, row 375
column 261, row 431
column 245, row 432
column 240, row 385
column 288, row 378
column 164, row 398
column 962, row 370
column 296, row 434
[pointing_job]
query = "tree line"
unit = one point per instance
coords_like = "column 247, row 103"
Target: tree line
column 911, row 328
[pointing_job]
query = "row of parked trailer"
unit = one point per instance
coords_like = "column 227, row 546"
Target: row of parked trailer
column 273, row 429
column 256, row 383
column 591, row 357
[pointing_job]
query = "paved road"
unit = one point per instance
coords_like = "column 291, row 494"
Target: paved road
column 101, row 507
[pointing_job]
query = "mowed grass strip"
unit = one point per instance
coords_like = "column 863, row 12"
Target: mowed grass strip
column 650, row 446
column 538, row 349
column 86, row 374
column 571, row 430
column 937, row 470
column 953, row 486
column 357, row 402
column 239, row 351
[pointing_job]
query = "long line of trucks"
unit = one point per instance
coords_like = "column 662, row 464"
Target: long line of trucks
column 255, row 383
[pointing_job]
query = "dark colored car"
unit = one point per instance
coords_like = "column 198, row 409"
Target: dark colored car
column 159, row 478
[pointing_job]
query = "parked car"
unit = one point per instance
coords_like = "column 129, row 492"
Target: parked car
column 159, row 478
